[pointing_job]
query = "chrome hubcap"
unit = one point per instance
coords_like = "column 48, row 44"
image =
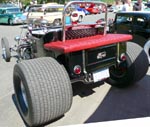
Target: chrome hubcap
column 24, row 95
column 4, row 53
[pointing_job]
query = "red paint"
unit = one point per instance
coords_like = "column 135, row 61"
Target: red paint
column 87, row 42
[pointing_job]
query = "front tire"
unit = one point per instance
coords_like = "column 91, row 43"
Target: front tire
column 10, row 21
column 132, row 70
column 43, row 90
column 5, row 49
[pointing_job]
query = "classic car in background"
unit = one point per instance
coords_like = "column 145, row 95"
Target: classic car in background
column 93, row 9
column 77, row 15
column 83, row 9
column 30, row 8
column 10, row 15
column 52, row 13
column 7, row 5
column 136, row 23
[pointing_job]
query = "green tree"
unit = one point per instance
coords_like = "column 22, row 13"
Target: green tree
column 2, row 1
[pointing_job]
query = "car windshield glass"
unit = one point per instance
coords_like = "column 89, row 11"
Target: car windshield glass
column 123, row 19
column 140, row 21
column 50, row 9
column 27, row 9
column 54, row 9
column 32, row 8
column 13, row 10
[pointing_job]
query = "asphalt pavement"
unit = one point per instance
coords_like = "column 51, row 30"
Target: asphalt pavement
column 91, row 103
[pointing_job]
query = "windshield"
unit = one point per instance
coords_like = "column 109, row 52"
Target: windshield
column 50, row 9
column 13, row 10
column 123, row 19
column 32, row 8
column 54, row 9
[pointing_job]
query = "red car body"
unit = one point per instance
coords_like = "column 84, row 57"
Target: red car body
column 93, row 9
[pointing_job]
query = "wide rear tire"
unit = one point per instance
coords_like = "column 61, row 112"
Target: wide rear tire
column 43, row 90
column 132, row 70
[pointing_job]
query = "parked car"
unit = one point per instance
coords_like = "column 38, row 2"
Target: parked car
column 83, row 9
column 7, row 5
column 51, row 58
column 52, row 13
column 93, row 9
column 102, row 8
column 77, row 16
column 30, row 8
column 10, row 15
column 135, row 23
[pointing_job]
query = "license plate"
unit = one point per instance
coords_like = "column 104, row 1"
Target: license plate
column 100, row 75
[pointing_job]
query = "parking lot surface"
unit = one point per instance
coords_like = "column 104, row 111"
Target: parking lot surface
column 91, row 103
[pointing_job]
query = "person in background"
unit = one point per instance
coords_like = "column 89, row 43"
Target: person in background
column 148, row 4
column 118, row 5
column 127, row 5
column 138, row 6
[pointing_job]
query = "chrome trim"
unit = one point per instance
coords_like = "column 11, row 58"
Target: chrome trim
column 105, row 26
column 87, row 76
column 118, row 52
column 83, row 62
column 79, row 2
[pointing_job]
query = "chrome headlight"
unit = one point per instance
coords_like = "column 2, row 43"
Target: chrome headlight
column 40, row 22
column 14, row 16
column 44, row 22
column 17, row 38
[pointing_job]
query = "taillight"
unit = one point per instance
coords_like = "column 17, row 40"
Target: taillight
column 77, row 69
column 123, row 57
column 74, row 15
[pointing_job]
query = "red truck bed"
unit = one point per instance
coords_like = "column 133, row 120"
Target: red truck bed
column 86, row 43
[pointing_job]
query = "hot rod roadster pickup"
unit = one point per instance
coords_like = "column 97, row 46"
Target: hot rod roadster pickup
column 51, row 58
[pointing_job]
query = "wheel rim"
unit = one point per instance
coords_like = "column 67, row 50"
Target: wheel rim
column 4, row 53
column 22, row 98
column 24, row 95
column 26, row 55
column 5, row 50
column 10, row 21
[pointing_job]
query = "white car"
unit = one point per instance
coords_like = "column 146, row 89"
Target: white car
column 52, row 13
column 77, row 16
column 28, row 9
